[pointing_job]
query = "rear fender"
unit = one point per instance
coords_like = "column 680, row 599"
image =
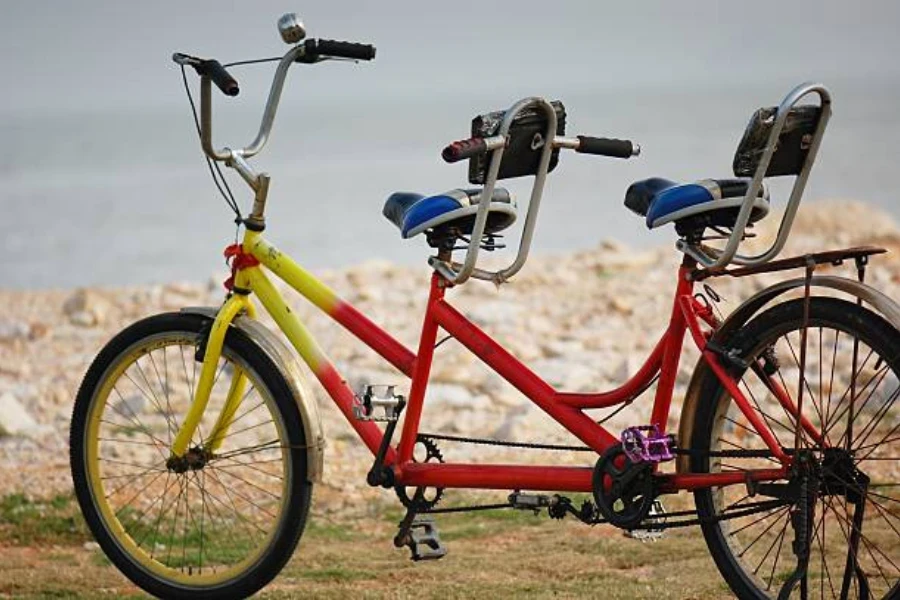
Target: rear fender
column 875, row 300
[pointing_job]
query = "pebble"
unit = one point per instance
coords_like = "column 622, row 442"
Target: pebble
column 85, row 308
column 11, row 330
column 14, row 419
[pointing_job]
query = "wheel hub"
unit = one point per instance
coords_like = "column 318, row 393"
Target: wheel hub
column 840, row 477
column 193, row 460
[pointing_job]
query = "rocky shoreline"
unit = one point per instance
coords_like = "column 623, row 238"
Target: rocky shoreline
column 583, row 321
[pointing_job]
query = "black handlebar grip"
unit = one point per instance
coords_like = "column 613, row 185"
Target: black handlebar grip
column 346, row 49
column 607, row 147
column 215, row 71
column 463, row 149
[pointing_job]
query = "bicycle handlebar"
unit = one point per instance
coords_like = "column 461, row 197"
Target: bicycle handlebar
column 607, row 147
column 338, row 49
column 220, row 76
column 463, row 149
column 210, row 68
column 311, row 51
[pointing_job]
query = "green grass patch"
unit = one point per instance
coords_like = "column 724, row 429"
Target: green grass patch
column 26, row 521
column 336, row 574
column 317, row 529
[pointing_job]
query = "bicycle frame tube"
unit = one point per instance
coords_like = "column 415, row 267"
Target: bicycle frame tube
column 213, row 351
column 564, row 407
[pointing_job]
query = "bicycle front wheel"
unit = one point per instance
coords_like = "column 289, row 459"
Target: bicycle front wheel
column 852, row 433
column 220, row 525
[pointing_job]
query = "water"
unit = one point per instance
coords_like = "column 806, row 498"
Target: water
column 120, row 198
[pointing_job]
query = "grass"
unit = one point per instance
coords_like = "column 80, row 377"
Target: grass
column 25, row 521
column 498, row 554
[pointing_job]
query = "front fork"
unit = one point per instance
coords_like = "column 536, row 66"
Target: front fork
column 234, row 305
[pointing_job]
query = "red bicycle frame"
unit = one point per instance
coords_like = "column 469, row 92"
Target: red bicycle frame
column 688, row 314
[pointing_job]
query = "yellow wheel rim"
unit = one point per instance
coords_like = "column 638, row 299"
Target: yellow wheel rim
column 109, row 396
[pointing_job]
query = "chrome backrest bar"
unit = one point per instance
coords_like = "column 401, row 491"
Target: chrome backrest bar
column 716, row 259
column 456, row 273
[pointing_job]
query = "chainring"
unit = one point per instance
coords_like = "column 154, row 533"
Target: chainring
column 423, row 498
column 623, row 490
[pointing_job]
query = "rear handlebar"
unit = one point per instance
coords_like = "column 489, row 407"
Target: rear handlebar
column 463, row 149
column 457, row 273
column 607, row 147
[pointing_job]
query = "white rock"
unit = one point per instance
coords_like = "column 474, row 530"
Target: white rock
column 495, row 312
column 570, row 348
column 14, row 419
column 507, row 429
column 85, row 308
column 83, row 318
column 11, row 330
column 91, row 546
column 626, row 369
column 565, row 374
column 455, row 397
column 132, row 405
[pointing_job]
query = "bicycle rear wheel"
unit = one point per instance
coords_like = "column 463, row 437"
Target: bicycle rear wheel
column 850, row 393
column 220, row 527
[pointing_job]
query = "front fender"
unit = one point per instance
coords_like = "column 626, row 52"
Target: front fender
column 290, row 367
column 875, row 300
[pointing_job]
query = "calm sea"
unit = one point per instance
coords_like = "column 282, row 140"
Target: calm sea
column 121, row 198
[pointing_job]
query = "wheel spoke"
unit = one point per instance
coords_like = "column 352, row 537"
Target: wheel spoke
column 852, row 397
column 210, row 519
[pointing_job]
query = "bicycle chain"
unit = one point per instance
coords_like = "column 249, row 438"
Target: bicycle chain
column 750, row 509
column 762, row 507
column 537, row 446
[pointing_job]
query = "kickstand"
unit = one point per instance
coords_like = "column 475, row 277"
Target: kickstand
column 802, row 520
column 853, row 548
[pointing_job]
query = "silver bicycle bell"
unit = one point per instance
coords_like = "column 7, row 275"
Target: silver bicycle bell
column 291, row 28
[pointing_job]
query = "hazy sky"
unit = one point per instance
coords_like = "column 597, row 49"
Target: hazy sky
column 67, row 55
column 96, row 131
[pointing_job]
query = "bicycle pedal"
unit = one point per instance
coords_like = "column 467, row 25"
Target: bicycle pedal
column 645, row 443
column 424, row 541
column 378, row 403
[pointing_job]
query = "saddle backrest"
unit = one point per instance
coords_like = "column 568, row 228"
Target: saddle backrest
column 522, row 156
column 791, row 149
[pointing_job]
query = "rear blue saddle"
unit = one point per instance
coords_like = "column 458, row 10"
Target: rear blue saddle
column 705, row 203
column 453, row 211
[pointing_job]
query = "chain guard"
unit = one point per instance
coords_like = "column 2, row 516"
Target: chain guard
column 423, row 499
column 624, row 491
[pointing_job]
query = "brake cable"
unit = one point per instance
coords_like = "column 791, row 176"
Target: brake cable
column 254, row 61
column 214, row 170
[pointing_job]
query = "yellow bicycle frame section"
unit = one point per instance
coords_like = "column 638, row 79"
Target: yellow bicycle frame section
column 248, row 280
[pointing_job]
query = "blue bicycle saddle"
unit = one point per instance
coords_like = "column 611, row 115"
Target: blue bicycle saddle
column 415, row 213
column 708, row 202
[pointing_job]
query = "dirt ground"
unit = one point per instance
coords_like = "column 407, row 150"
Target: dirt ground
column 46, row 552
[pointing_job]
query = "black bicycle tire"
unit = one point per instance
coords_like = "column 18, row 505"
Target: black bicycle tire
column 870, row 327
column 293, row 522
